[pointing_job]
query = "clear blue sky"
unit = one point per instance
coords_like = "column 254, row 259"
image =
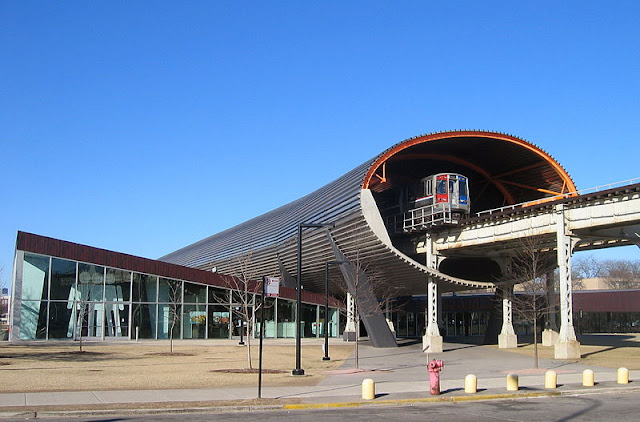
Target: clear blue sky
column 143, row 126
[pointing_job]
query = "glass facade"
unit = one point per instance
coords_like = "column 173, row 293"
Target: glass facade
column 65, row 299
column 606, row 322
column 465, row 324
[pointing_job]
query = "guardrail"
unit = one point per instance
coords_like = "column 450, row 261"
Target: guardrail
column 564, row 195
column 421, row 218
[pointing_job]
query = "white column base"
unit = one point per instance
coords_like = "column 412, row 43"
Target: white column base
column 549, row 337
column 507, row 341
column 434, row 343
column 567, row 350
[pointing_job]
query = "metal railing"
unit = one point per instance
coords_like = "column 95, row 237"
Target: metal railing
column 562, row 196
column 421, row 218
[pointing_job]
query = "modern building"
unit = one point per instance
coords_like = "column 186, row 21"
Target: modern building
column 390, row 228
column 63, row 290
column 377, row 220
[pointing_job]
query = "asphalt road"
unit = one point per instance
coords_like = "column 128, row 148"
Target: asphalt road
column 608, row 406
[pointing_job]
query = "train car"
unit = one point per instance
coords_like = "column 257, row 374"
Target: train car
column 441, row 198
column 441, row 188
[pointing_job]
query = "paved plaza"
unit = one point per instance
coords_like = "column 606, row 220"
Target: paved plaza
column 399, row 374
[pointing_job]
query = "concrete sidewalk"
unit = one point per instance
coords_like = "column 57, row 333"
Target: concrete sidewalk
column 400, row 374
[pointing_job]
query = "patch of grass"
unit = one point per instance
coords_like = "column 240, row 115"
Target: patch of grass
column 606, row 350
column 129, row 366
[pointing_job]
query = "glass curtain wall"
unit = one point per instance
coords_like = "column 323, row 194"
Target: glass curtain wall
column 194, row 316
column 169, row 308
column 219, row 313
column 64, row 299
column 144, row 314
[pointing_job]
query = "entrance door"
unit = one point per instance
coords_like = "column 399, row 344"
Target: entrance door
column 91, row 319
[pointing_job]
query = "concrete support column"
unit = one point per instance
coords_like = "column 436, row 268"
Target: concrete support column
column 350, row 327
column 550, row 333
column 567, row 346
column 432, row 340
column 507, row 339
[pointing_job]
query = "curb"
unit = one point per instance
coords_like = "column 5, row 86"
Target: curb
column 466, row 398
column 440, row 399
column 32, row 414
column 133, row 412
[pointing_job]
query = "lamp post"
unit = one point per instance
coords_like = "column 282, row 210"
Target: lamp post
column 326, row 307
column 299, row 370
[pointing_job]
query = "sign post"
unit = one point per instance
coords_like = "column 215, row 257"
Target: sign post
column 270, row 288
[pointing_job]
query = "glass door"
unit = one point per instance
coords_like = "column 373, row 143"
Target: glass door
column 90, row 319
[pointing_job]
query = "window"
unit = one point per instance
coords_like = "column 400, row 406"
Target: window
column 117, row 285
column 35, row 277
column 145, row 288
column 63, row 280
column 169, row 290
column 195, row 293
column 91, row 282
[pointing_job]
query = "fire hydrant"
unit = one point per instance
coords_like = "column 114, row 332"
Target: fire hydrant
column 434, row 367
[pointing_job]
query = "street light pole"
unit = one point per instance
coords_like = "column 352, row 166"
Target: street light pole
column 299, row 370
column 326, row 307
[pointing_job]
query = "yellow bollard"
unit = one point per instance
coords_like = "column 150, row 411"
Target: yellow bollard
column 512, row 382
column 368, row 389
column 550, row 379
column 588, row 378
column 623, row 376
column 470, row 384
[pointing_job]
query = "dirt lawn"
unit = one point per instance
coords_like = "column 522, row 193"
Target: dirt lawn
column 605, row 350
column 31, row 368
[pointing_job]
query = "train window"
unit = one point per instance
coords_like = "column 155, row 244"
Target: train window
column 463, row 187
column 428, row 187
column 441, row 187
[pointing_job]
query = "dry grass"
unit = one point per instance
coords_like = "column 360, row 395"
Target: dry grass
column 607, row 350
column 138, row 366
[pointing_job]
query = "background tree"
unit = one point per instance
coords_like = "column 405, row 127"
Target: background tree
column 622, row 274
column 4, row 305
column 245, row 286
column 530, row 266
column 585, row 266
column 618, row 273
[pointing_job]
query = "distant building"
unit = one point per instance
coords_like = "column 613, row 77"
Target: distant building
column 5, row 300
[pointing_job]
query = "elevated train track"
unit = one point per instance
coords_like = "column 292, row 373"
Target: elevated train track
column 597, row 219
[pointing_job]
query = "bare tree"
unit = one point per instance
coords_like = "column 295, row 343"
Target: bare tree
column 622, row 274
column 4, row 304
column 618, row 273
column 175, row 303
column 244, row 287
column 587, row 266
column 530, row 267
column 82, row 296
column 82, row 309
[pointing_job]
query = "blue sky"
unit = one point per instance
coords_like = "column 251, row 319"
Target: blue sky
column 142, row 126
